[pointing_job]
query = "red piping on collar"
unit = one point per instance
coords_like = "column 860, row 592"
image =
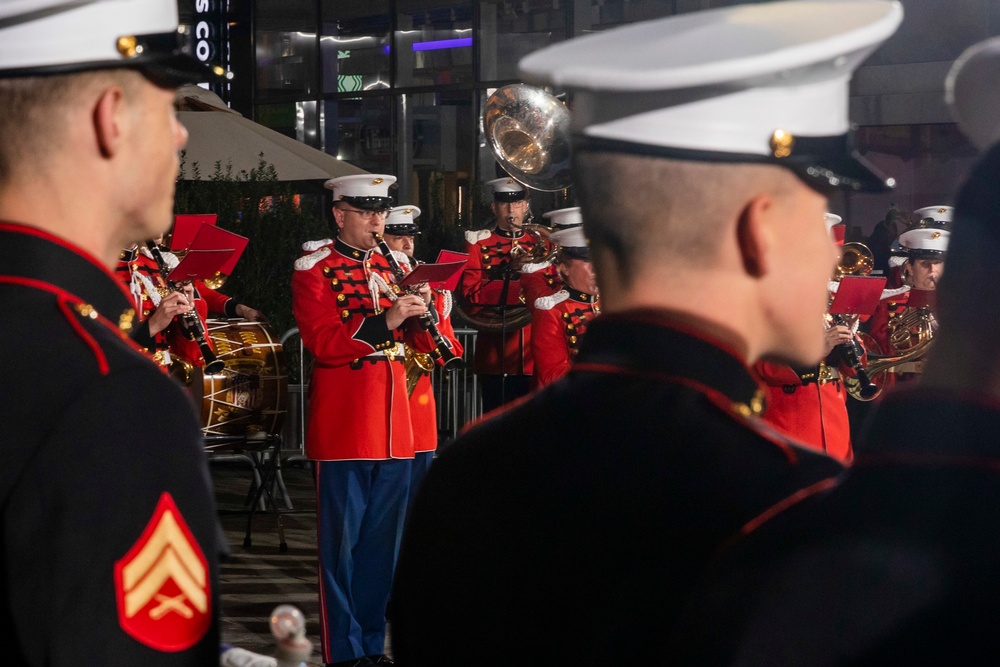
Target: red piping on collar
column 102, row 359
column 17, row 228
column 67, row 297
column 773, row 511
column 782, row 505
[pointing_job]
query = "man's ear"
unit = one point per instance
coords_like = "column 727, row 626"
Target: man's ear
column 753, row 235
column 108, row 116
column 338, row 217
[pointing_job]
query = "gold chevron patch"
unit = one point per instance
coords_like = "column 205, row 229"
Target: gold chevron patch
column 162, row 584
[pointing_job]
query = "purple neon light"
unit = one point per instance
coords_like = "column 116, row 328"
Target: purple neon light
column 442, row 44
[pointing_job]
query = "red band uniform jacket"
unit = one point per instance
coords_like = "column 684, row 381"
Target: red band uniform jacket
column 140, row 274
column 810, row 410
column 482, row 284
column 558, row 325
column 358, row 407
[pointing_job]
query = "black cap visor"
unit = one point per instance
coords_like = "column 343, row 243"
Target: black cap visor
column 403, row 229
column 162, row 57
column 368, row 203
column 920, row 253
column 823, row 163
column 574, row 253
column 509, row 196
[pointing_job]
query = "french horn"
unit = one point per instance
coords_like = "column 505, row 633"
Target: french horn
column 911, row 331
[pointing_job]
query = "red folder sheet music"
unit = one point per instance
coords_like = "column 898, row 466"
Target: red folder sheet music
column 186, row 225
column 857, row 295
column 446, row 257
column 200, row 265
column 210, row 237
column 435, row 275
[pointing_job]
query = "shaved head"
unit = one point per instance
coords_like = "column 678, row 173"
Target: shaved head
column 641, row 210
column 44, row 103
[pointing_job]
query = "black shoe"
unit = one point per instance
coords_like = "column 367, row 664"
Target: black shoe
column 355, row 662
column 381, row 659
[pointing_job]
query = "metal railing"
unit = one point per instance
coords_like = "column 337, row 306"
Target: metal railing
column 457, row 393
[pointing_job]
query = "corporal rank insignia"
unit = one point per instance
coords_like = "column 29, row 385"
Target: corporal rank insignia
column 162, row 584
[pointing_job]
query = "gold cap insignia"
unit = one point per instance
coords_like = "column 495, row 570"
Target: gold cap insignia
column 408, row 211
column 936, row 235
column 128, row 46
column 782, row 143
column 377, row 181
column 942, row 210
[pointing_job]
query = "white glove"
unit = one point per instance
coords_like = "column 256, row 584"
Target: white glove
column 240, row 657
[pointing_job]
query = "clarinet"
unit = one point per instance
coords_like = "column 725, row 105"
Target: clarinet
column 849, row 353
column 193, row 326
column 442, row 346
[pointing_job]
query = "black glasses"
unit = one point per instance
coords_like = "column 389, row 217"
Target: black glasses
column 368, row 214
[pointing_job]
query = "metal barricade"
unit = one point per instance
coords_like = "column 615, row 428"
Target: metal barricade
column 457, row 393
column 294, row 433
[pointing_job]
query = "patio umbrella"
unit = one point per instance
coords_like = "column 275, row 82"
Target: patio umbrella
column 219, row 134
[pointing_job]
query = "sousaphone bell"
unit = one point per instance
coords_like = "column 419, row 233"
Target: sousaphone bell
column 528, row 131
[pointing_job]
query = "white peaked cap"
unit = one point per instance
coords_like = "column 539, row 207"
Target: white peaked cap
column 403, row 215
column 972, row 91
column 400, row 220
column 939, row 213
column 928, row 237
column 51, row 36
column 752, row 83
column 362, row 188
column 567, row 227
column 832, row 220
column 506, row 189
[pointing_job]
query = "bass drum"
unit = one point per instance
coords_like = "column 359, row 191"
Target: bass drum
column 247, row 398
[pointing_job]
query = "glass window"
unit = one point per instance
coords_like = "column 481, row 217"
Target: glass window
column 509, row 31
column 606, row 14
column 359, row 130
column 354, row 46
column 439, row 132
column 286, row 46
column 433, row 45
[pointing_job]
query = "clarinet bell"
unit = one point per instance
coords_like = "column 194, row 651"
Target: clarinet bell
column 214, row 365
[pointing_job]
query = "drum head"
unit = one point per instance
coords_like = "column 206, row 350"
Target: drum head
column 247, row 398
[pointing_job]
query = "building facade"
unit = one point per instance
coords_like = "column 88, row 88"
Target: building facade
column 399, row 86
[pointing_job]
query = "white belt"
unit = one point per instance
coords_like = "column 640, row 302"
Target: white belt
column 396, row 350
